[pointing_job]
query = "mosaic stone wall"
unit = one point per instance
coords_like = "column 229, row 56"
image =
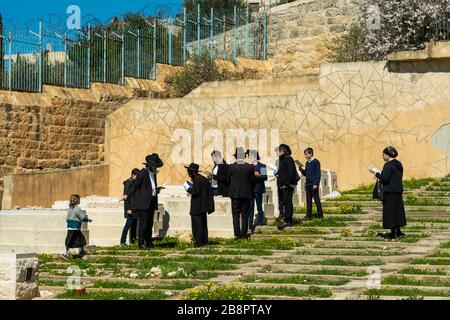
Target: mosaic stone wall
column 358, row 110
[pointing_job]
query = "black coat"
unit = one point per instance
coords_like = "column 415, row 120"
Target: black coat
column 393, row 208
column 287, row 174
column 142, row 191
column 392, row 177
column 242, row 180
column 202, row 199
column 223, row 185
column 130, row 203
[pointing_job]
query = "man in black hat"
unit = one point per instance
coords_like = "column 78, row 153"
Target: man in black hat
column 202, row 204
column 242, row 182
column 287, row 180
column 146, row 199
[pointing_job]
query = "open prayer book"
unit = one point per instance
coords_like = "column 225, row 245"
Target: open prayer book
column 374, row 170
column 187, row 185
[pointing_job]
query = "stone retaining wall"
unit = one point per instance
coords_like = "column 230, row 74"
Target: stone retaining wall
column 297, row 32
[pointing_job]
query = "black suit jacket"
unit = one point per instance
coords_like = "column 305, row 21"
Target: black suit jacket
column 202, row 199
column 242, row 180
column 223, row 185
column 141, row 189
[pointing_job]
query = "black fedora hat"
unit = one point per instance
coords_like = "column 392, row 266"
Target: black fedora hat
column 153, row 160
column 239, row 151
column 193, row 167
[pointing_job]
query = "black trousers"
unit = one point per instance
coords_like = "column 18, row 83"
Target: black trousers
column 200, row 229
column 130, row 225
column 280, row 201
column 286, row 202
column 239, row 208
column 145, row 226
column 310, row 194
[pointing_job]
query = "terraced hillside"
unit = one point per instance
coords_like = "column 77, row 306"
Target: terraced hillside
column 339, row 257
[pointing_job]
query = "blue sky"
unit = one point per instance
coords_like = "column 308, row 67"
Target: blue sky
column 24, row 10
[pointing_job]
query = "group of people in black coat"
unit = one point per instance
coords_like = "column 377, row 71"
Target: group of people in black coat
column 244, row 184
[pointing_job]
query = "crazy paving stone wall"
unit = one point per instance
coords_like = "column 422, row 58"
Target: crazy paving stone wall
column 359, row 109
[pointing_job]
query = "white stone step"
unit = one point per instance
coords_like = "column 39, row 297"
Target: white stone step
column 28, row 236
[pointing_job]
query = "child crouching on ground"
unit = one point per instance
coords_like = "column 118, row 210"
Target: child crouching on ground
column 75, row 217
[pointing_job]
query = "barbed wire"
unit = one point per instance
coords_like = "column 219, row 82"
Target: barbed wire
column 170, row 13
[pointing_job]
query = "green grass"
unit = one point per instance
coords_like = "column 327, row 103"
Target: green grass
column 405, row 281
column 414, row 184
column 411, row 270
column 361, row 189
column 297, row 280
column 52, row 283
column 293, row 292
column 343, row 208
column 294, row 231
column 406, row 292
column 175, row 285
column 224, row 251
column 337, row 272
column 343, row 262
column 328, row 222
column 276, row 243
column 190, row 264
column 440, row 254
column 445, row 245
column 349, row 253
column 44, row 258
column 115, row 295
column 331, row 272
column 443, row 262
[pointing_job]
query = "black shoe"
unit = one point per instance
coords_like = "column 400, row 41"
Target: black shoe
column 401, row 235
column 142, row 247
column 252, row 228
column 320, row 217
column 284, row 226
column 307, row 218
column 390, row 236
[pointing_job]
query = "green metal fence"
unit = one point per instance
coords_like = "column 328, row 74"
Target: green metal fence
column 131, row 47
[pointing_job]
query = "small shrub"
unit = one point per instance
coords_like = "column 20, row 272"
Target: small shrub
column 201, row 68
column 348, row 46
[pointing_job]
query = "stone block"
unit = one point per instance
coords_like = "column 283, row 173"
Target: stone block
column 18, row 276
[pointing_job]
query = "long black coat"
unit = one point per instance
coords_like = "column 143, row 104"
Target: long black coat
column 242, row 180
column 392, row 180
column 142, row 191
column 223, row 185
column 130, row 203
column 202, row 199
column 287, row 174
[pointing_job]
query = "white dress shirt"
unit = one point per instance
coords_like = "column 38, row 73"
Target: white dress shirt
column 152, row 182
